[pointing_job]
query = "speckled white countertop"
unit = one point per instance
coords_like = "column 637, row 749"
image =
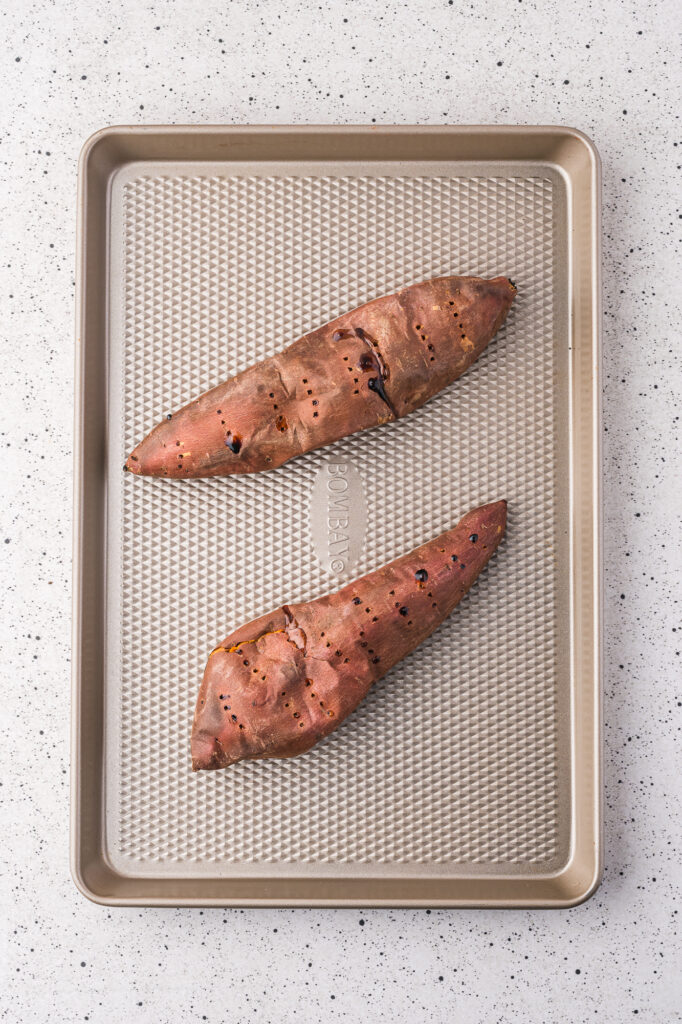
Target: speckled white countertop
column 611, row 69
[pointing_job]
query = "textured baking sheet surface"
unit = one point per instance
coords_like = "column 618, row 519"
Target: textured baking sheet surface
column 457, row 761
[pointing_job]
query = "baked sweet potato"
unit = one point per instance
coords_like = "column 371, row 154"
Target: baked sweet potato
column 278, row 685
column 378, row 363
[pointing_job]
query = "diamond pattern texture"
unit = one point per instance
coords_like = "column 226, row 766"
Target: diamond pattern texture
column 453, row 759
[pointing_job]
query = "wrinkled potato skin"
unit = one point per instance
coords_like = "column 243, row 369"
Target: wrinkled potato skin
column 280, row 684
column 319, row 389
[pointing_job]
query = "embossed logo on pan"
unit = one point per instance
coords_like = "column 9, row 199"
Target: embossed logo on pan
column 337, row 516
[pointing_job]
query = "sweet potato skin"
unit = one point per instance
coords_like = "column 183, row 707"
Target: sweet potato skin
column 377, row 363
column 278, row 685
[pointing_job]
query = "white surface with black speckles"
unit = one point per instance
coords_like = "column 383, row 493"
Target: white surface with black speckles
column 611, row 69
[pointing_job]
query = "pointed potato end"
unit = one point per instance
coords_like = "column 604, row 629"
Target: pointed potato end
column 490, row 519
column 152, row 457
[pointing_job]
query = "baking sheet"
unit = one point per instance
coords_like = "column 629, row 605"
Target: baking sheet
column 470, row 774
